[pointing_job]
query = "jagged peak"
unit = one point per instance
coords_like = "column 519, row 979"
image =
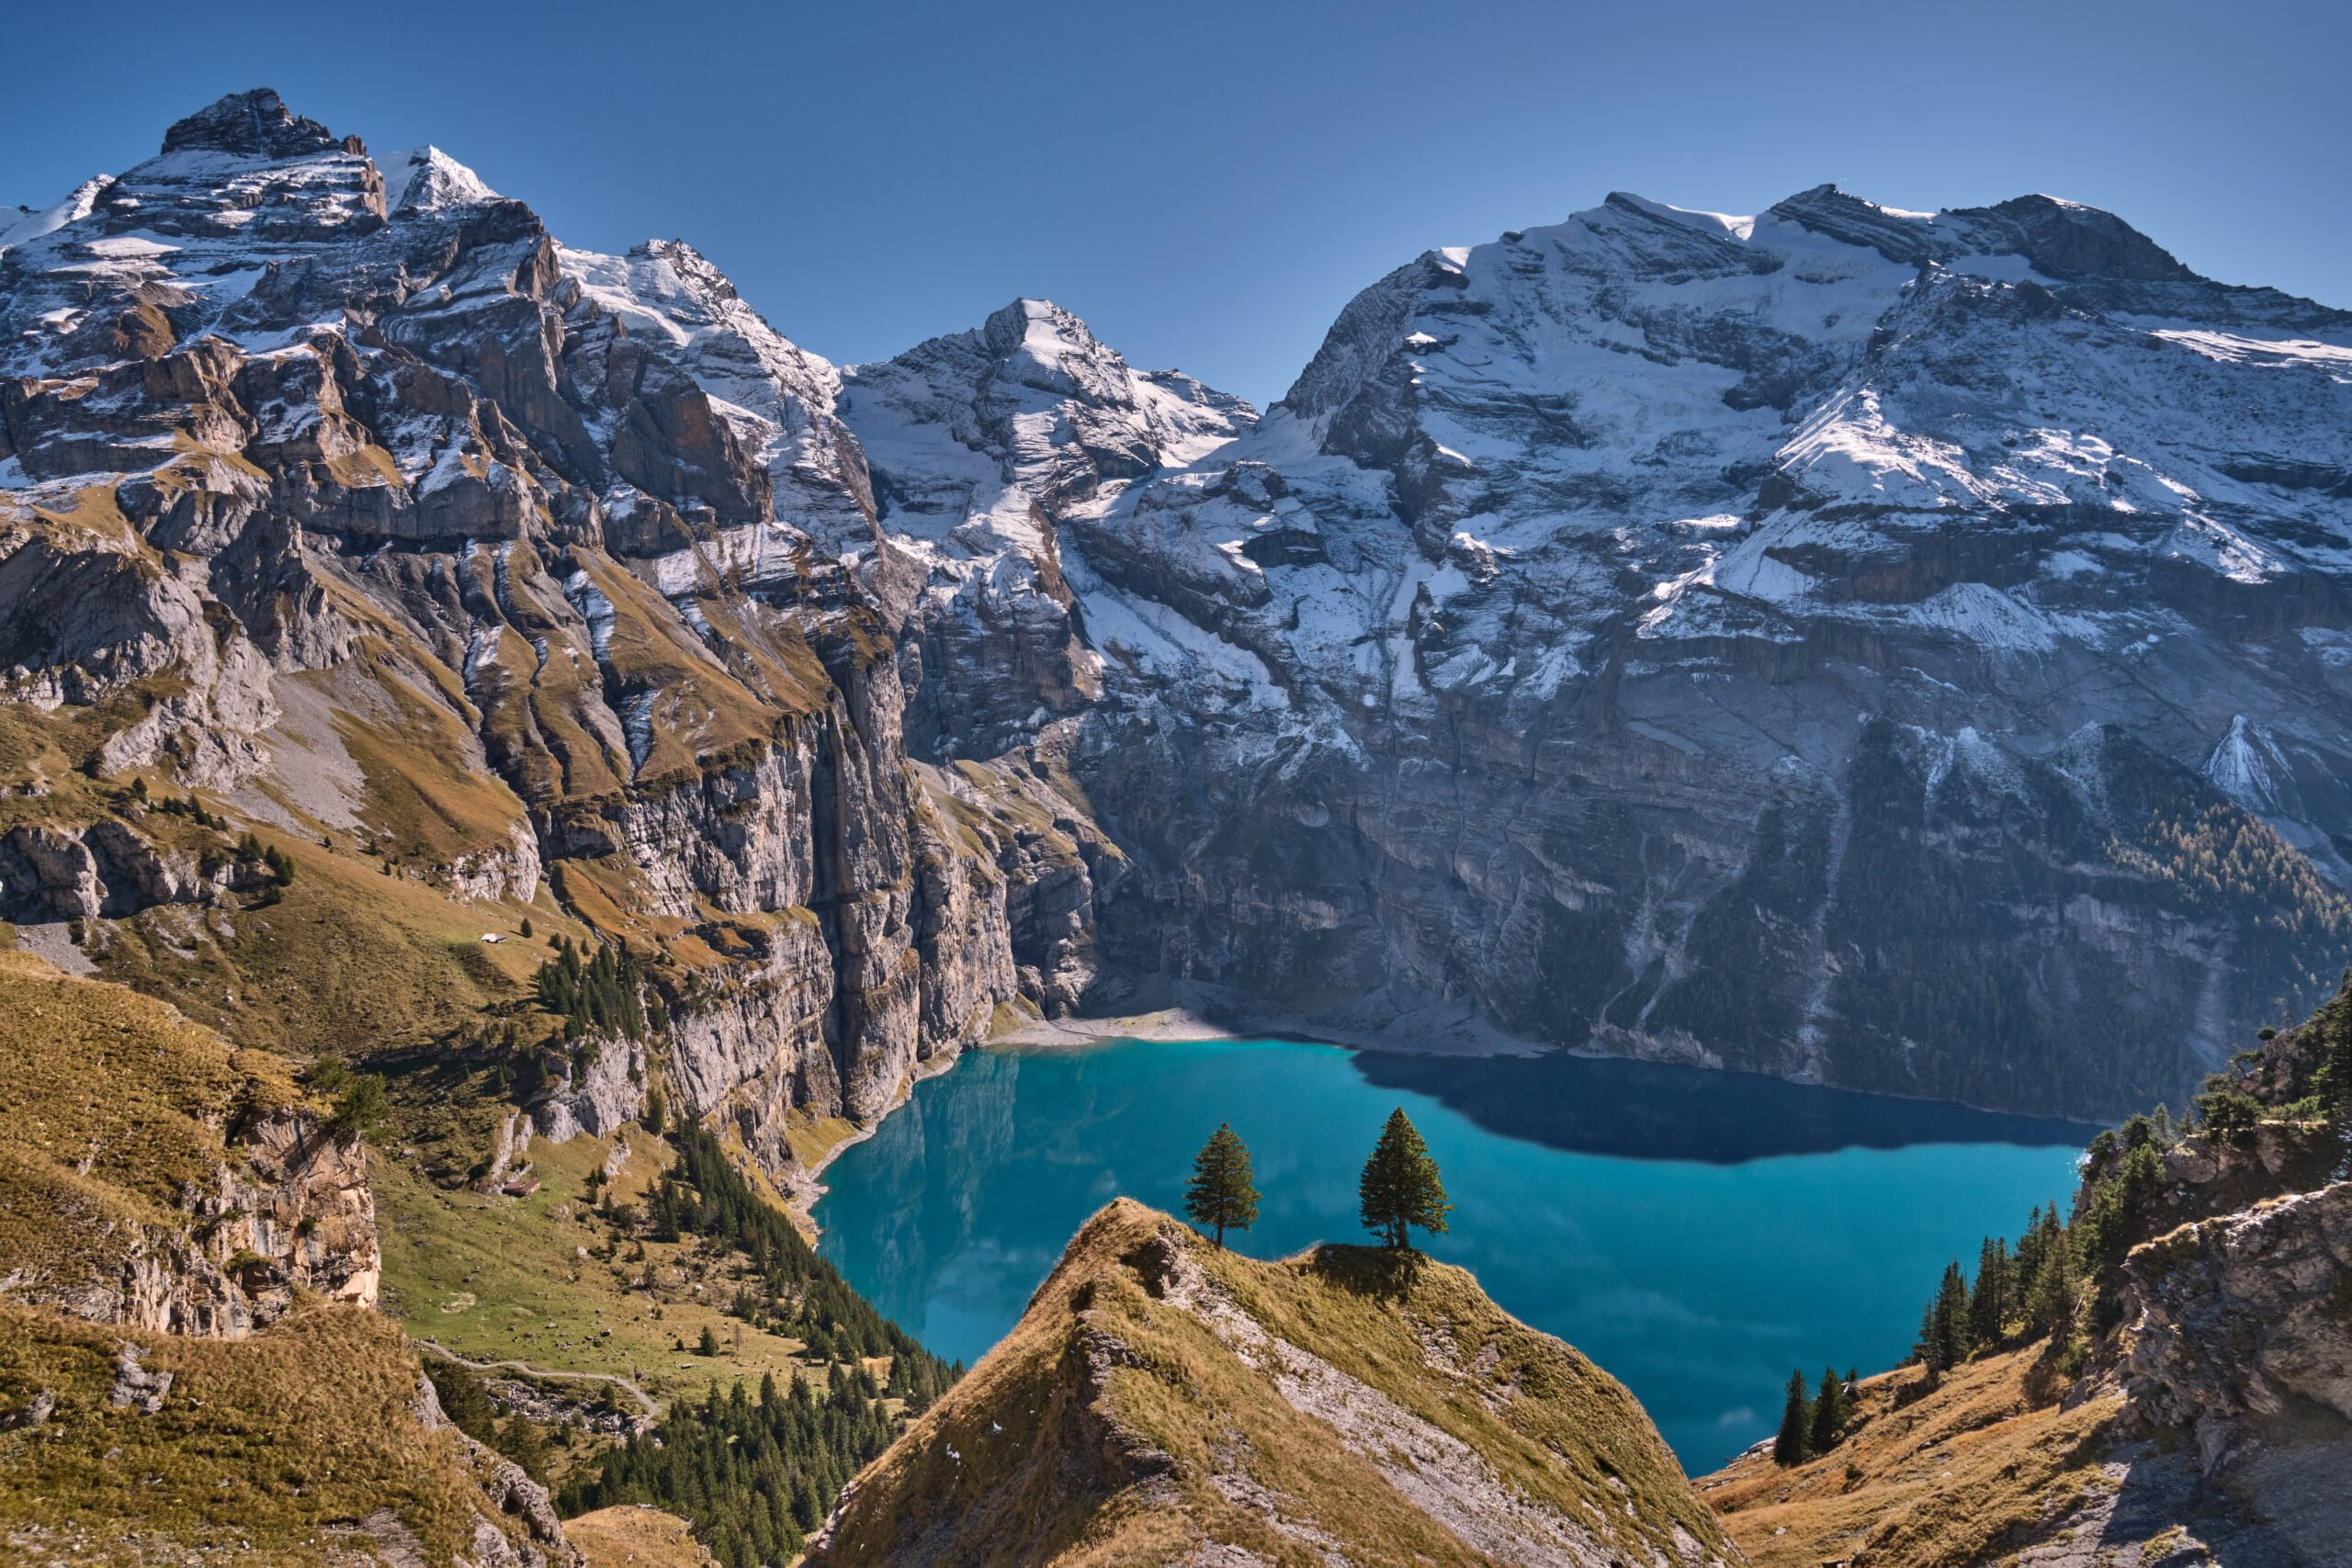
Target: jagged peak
column 692, row 268
column 1026, row 322
column 2061, row 238
column 427, row 179
column 29, row 223
column 257, row 124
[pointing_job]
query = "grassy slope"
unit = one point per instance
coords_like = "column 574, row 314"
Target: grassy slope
column 1947, row 1478
column 260, row 1446
column 351, row 960
column 1112, row 1425
column 108, row 1102
column 493, row 1278
column 635, row 1536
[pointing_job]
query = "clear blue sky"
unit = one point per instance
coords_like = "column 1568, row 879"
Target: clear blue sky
column 1207, row 183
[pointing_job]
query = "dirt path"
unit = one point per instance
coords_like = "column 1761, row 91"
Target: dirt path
column 642, row 1397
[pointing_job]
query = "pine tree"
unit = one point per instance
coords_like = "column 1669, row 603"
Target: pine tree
column 1988, row 1303
column 1943, row 1330
column 1829, row 1418
column 1796, row 1425
column 2333, row 1081
column 2050, row 1296
column 1222, row 1195
column 1401, row 1185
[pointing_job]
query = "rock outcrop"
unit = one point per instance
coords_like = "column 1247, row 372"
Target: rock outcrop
column 160, row 1179
column 2246, row 1320
column 2198, row 1406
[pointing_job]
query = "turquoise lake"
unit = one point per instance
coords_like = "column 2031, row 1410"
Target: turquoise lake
column 1698, row 1233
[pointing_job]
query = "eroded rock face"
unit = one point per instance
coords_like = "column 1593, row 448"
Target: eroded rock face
column 2244, row 1323
column 565, row 529
column 291, row 1211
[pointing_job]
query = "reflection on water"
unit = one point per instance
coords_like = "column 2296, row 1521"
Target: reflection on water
column 1657, row 1111
column 1697, row 1234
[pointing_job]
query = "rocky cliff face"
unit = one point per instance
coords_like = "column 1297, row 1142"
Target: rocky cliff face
column 2245, row 1327
column 159, row 1179
column 336, row 488
column 1890, row 648
column 1871, row 646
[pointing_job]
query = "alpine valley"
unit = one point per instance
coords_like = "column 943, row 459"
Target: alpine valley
column 500, row 743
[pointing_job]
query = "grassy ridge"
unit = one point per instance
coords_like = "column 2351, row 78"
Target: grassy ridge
column 1150, row 1402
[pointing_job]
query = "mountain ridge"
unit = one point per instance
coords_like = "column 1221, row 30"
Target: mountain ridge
column 1531, row 664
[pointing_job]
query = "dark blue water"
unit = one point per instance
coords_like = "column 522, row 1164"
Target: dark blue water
column 1697, row 1234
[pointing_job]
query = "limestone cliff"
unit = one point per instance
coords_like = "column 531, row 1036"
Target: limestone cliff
column 389, row 525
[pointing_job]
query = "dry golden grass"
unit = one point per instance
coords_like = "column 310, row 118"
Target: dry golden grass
column 348, row 961
column 1955, row 1476
column 1113, row 1425
column 634, row 1536
column 429, row 795
column 118, row 1084
column 261, row 1446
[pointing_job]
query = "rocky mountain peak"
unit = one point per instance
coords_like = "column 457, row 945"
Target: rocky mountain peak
column 2067, row 240
column 427, row 179
column 257, row 124
column 2060, row 239
column 1036, row 343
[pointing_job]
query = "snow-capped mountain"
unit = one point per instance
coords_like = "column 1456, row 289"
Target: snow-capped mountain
column 1906, row 650
column 1791, row 642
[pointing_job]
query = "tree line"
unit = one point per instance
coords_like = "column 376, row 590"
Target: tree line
column 792, row 1289
column 755, row 1476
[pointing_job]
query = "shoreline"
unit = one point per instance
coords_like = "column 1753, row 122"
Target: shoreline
column 810, row 1188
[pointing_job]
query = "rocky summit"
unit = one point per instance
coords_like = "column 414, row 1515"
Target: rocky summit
column 1904, row 650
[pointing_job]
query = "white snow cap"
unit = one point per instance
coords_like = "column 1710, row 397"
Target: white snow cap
column 428, row 178
column 20, row 224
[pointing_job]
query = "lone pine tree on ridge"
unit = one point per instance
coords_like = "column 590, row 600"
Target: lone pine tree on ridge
column 1401, row 1185
column 1221, row 1194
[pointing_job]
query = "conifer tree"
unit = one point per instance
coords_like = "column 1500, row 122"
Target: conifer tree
column 2333, row 1081
column 1796, row 1425
column 2050, row 1296
column 1401, row 1185
column 1943, row 1331
column 1988, row 1301
column 1829, row 1418
column 1221, row 1194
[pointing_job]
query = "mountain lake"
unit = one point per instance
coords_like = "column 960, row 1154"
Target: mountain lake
column 1699, row 1235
